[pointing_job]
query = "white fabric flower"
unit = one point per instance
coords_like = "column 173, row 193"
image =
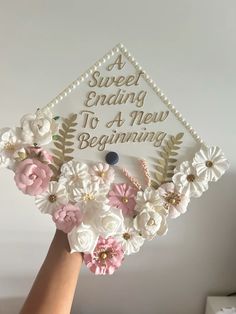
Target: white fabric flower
column 90, row 195
column 110, row 223
column 91, row 214
column 102, row 173
column 52, row 199
column 149, row 197
column 82, row 239
column 3, row 162
column 38, row 128
column 130, row 238
column 211, row 162
column 11, row 147
column 150, row 223
column 73, row 173
column 188, row 181
column 175, row 202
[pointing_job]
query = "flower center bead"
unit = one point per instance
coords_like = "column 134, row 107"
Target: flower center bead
column 103, row 255
column 52, row 198
column 209, row 163
column 88, row 197
column 126, row 236
column 172, row 198
column 9, row 148
column 151, row 222
column 190, row 177
column 125, row 200
column 75, row 178
column 101, row 174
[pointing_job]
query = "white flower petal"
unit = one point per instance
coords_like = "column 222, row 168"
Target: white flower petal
column 149, row 197
column 210, row 162
column 110, row 223
column 38, row 128
column 188, row 181
column 130, row 238
column 52, row 199
column 149, row 222
column 82, row 239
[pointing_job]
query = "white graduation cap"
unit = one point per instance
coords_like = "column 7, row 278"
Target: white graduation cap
column 120, row 109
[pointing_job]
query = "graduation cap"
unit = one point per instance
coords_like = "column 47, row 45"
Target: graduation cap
column 119, row 160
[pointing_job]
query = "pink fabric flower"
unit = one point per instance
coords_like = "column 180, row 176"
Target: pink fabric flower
column 123, row 196
column 39, row 153
column 102, row 173
column 32, row 177
column 67, row 217
column 175, row 202
column 106, row 258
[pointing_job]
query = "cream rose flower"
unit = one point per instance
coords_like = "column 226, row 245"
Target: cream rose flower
column 38, row 128
column 110, row 223
column 82, row 239
column 150, row 223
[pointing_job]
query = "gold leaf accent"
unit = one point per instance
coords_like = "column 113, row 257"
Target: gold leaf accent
column 166, row 164
column 69, row 150
column 69, row 143
column 154, row 185
column 63, row 147
column 62, row 132
column 54, row 170
column 69, row 136
column 68, row 158
column 58, row 145
column 57, row 153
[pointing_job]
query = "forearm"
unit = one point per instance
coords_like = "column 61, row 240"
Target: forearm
column 54, row 287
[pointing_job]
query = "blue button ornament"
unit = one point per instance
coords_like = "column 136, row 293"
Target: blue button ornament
column 112, row 158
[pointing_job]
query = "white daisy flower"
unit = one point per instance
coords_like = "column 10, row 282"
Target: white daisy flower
column 11, row 148
column 130, row 238
column 55, row 197
column 187, row 181
column 90, row 195
column 73, row 173
column 102, row 173
column 211, row 162
column 149, row 197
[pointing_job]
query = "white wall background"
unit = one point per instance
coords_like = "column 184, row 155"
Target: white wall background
column 189, row 49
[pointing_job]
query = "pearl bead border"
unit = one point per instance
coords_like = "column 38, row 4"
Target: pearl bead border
column 121, row 48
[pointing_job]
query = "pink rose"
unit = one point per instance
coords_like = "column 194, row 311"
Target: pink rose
column 32, row 176
column 106, row 258
column 39, row 153
column 67, row 217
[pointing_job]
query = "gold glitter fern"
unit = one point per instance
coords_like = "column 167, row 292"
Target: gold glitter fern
column 64, row 145
column 166, row 164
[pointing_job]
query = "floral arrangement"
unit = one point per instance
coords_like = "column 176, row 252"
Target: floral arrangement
column 103, row 218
